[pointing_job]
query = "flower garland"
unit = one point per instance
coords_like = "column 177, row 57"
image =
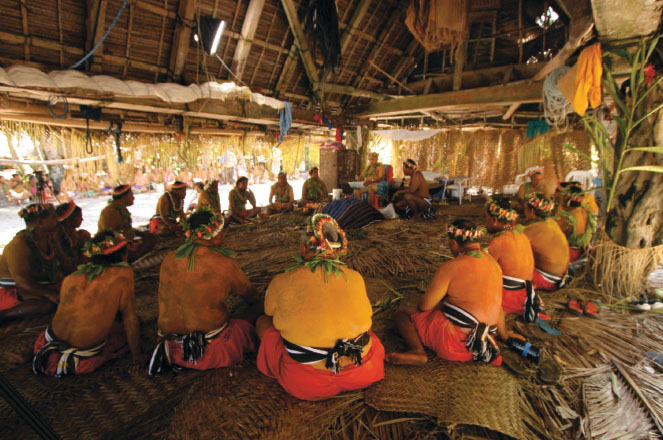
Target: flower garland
column 327, row 253
column 540, row 204
column 502, row 214
column 201, row 232
column 204, row 232
column 313, row 189
column 34, row 210
column 111, row 244
column 44, row 267
column 472, row 234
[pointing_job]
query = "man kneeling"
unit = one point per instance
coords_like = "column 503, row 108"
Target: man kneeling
column 549, row 246
column 195, row 328
column 84, row 333
column 462, row 308
column 316, row 338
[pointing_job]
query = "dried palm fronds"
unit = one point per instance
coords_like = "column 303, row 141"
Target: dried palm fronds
column 622, row 272
column 614, row 411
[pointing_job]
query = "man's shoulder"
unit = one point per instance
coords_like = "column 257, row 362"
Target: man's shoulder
column 19, row 241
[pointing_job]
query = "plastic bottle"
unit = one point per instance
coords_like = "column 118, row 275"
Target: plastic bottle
column 525, row 349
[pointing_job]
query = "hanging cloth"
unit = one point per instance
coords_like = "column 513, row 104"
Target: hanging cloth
column 588, row 79
column 285, row 120
column 535, row 128
column 437, row 24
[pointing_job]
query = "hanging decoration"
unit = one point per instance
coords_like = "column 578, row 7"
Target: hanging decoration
column 437, row 24
column 324, row 17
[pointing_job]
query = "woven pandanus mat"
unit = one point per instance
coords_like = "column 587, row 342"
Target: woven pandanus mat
column 106, row 404
column 455, row 393
column 241, row 403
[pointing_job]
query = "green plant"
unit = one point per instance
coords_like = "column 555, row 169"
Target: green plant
column 612, row 153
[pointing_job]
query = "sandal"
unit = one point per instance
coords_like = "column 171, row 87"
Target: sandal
column 576, row 307
column 547, row 327
column 548, row 372
column 591, row 309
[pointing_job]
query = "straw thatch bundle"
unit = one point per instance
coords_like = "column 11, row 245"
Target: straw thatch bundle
column 621, row 272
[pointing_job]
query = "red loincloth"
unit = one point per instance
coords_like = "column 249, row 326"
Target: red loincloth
column 116, row 345
column 575, row 253
column 439, row 334
column 513, row 301
column 307, row 383
column 9, row 298
column 226, row 349
column 548, row 285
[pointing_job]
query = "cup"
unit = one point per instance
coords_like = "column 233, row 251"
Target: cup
column 337, row 193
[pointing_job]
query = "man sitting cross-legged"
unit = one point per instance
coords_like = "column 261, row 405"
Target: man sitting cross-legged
column 281, row 196
column 84, row 333
column 315, row 336
column 549, row 246
column 415, row 200
column 314, row 192
column 170, row 209
column 210, row 197
column 31, row 266
column 462, row 308
column 116, row 217
column 513, row 252
column 577, row 219
column 371, row 176
column 196, row 330
column 238, row 198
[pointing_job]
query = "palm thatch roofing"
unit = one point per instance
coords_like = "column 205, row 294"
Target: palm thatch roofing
column 381, row 60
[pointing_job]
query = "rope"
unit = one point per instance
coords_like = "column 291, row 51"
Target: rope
column 555, row 104
column 52, row 100
column 96, row 46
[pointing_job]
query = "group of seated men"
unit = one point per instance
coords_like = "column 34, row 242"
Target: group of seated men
column 312, row 330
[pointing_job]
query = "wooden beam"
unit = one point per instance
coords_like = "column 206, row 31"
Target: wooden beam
column 484, row 96
column 94, row 27
column 262, row 52
column 581, row 31
column 302, row 45
column 26, row 30
column 349, row 90
column 60, row 33
column 406, row 60
column 459, row 64
column 44, row 43
column 163, row 29
column 249, row 27
column 181, row 39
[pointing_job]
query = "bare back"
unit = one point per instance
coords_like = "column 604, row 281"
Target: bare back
column 87, row 311
column 194, row 301
column 419, row 186
column 513, row 253
column 549, row 246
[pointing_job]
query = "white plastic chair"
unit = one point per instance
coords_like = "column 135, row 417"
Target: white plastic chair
column 458, row 187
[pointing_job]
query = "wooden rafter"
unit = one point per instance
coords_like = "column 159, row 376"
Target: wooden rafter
column 163, row 30
column 125, row 69
column 394, row 16
column 181, row 39
column 262, row 52
column 228, row 32
column 60, row 32
column 26, row 29
column 352, row 27
column 409, row 59
column 303, row 49
column 484, row 96
column 249, row 27
column 94, row 25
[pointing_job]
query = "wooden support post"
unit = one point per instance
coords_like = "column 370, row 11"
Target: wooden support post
column 181, row 39
column 249, row 27
column 459, row 63
column 476, row 47
column 94, row 25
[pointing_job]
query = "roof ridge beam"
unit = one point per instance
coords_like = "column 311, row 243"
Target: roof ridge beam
column 181, row 39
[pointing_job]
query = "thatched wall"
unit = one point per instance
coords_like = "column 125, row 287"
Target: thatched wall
column 493, row 157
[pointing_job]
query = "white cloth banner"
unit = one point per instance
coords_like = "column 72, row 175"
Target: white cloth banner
column 29, row 77
column 407, row 135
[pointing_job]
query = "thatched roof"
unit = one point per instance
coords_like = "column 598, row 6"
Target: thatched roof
column 379, row 54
